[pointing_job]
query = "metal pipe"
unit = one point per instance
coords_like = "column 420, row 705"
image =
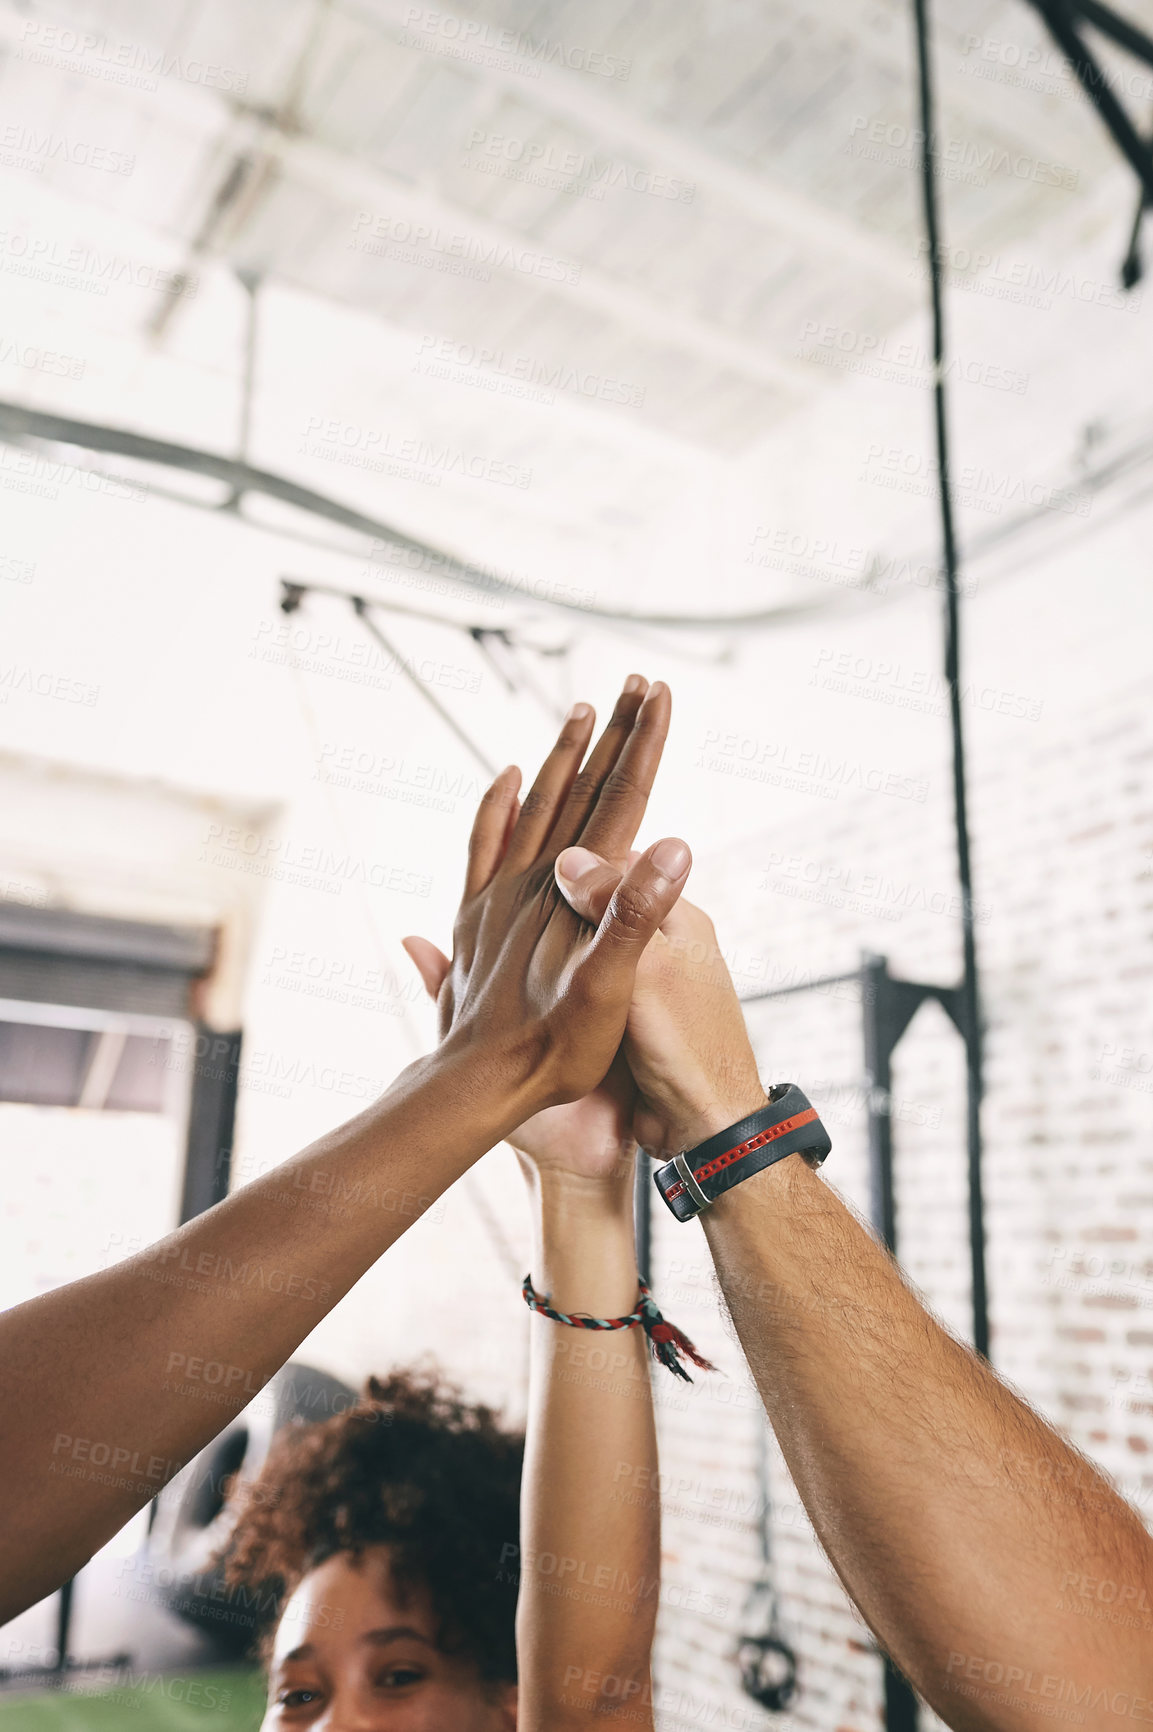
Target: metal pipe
column 20, row 423
column 801, row 986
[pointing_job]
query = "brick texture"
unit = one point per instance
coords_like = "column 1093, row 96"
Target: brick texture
column 1062, row 826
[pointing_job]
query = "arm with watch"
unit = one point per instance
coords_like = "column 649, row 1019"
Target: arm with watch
column 962, row 1525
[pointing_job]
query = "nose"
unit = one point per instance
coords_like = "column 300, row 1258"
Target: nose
column 346, row 1713
column 347, row 1720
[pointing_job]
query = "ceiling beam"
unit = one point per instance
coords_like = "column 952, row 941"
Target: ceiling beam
column 761, row 196
column 643, row 316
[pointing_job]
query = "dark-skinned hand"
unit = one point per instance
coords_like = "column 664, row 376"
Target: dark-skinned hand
column 533, row 989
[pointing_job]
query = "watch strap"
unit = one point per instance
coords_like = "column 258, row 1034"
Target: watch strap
column 786, row 1125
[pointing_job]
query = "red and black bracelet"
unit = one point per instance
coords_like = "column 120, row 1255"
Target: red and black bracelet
column 786, row 1125
column 668, row 1343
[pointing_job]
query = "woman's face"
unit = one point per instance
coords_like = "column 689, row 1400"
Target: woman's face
column 350, row 1656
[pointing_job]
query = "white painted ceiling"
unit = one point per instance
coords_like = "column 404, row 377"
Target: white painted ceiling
column 662, row 219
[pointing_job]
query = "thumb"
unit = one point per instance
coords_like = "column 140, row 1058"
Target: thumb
column 431, row 964
column 586, row 882
column 638, row 905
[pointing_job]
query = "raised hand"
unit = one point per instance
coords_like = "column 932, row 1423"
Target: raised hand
column 590, row 1139
column 685, row 1038
column 533, row 991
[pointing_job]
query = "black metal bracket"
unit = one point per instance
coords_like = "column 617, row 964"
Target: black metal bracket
column 890, row 1006
column 1063, row 19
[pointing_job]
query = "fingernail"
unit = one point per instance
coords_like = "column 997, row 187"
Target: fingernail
column 671, row 858
column 579, row 712
column 575, row 863
column 655, row 690
column 633, row 683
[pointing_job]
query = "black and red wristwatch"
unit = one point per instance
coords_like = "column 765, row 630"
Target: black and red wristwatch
column 786, row 1125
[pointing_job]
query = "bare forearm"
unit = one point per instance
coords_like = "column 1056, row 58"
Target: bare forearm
column 113, row 1382
column 960, row 1523
column 590, row 1566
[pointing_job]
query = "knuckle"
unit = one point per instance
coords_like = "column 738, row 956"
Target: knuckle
column 631, row 911
column 623, row 784
column 535, row 802
column 585, row 784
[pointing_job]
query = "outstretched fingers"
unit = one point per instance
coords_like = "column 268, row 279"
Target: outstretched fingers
column 490, row 831
column 548, row 793
column 615, row 816
column 582, row 794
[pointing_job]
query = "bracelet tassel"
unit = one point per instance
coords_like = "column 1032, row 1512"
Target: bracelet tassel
column 668, row 1343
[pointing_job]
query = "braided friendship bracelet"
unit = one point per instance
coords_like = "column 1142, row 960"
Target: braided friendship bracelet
column 668, row 1343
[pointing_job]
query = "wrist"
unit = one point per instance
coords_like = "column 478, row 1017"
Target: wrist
column 584, row 1246
column 693, row 1121
column 576, row 1200
column 778, row 1199
column 495, row 1084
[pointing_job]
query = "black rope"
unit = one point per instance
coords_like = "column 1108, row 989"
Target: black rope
column 970, row 1005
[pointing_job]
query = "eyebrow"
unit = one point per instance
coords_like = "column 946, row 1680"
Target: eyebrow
column 394, row 1633
column 376, row 1639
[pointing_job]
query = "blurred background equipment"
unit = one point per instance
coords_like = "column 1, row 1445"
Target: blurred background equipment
column 768, row 1665
column 192, row 1518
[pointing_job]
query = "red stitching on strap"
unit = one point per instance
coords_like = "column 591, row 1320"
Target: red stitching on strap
column 719, row 1162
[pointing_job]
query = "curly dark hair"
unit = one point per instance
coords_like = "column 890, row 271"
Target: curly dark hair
column 411, row 1466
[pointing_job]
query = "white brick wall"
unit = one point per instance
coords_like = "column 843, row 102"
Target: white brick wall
column 1063, row 834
